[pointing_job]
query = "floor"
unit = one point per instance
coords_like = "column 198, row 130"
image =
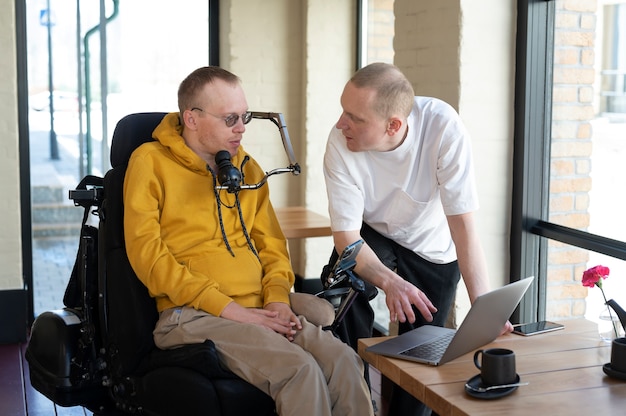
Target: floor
column 19, row 398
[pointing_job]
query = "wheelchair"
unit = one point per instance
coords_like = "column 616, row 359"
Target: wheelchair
column 98, row 350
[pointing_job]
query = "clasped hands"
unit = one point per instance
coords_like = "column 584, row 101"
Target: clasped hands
column 275, row 316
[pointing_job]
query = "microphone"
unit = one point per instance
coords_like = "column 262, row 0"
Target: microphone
column 227, row 174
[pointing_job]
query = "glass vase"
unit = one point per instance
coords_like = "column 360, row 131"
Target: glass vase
column 609, row 325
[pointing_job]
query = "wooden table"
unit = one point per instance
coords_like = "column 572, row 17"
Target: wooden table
column 299, row 222
column 564, row 369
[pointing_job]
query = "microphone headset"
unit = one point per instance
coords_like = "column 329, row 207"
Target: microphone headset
column 227, row 174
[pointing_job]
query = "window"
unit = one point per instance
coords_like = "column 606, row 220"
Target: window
column 568, row 160
column 375, row 32
column 103, row 59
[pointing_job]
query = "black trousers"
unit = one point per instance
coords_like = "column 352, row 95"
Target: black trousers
column 438, row 281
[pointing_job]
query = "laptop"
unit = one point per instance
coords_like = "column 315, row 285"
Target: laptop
column 435, row 345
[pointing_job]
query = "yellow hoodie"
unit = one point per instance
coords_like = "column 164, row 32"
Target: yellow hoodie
column 173, row 236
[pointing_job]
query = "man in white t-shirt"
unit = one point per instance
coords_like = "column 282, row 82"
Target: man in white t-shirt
column 399, row 174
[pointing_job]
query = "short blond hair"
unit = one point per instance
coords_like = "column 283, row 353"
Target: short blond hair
column 192, row 86
column 394, row 92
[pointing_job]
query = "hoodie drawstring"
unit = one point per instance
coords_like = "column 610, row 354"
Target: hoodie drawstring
column 219, row 214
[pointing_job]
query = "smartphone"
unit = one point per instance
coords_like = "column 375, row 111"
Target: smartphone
column 345, row 262
column 536, row 328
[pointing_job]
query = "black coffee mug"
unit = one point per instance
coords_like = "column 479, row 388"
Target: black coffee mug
column 497, row 366
column 618, row 355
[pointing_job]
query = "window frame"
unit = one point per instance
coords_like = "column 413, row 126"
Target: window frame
column 531, row 152
column 530, row 228
column 361, row 34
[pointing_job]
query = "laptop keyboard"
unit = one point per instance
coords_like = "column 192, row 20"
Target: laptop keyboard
column 432, row 350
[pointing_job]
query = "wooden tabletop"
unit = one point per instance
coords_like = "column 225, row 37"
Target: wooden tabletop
column 564, row 369
column 299, row 222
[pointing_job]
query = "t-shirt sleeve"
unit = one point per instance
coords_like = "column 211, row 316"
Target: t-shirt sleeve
column 345, row 199
column 455, row 169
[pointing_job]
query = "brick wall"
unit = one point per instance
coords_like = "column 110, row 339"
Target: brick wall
column 293, row 57
column 427, row 47
column 576, row 45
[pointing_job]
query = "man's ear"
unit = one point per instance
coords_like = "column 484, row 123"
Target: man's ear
column 189, row 120
column 393, row 126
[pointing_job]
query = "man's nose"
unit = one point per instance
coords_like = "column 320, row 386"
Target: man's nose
column 341, row 123
column 239, row 126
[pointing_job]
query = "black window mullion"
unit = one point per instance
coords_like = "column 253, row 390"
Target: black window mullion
column 214, row 32
column 582, row 239
column 533, row 86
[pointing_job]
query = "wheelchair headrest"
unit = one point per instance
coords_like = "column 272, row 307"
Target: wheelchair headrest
column 130, row 132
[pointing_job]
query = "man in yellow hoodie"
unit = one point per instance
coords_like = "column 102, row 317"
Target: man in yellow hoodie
column 219, row 268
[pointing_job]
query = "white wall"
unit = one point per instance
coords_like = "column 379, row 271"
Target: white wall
column 10, row 225
column 261, row 43
column 294, row 57
column 330, row 29
column 463, row 52
column 487, row 63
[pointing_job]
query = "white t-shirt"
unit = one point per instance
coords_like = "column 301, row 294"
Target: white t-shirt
column 405, row 194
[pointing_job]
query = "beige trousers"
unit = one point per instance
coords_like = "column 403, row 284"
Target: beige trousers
column 316, row 374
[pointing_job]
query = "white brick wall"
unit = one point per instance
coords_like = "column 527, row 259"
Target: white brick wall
column 10, row 231
column 488, row 61
column 329, row 31
column 293, row 58
column 450, row 50
column 262, row 45
column 427, row 47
